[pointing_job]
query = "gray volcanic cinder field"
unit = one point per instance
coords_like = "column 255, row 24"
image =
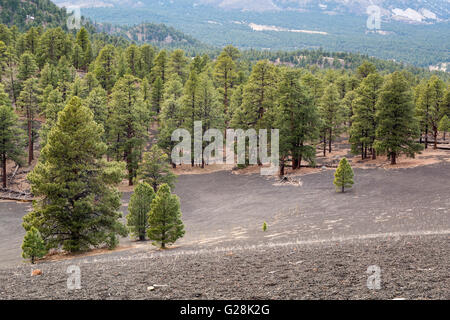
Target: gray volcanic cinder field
column 318, row 245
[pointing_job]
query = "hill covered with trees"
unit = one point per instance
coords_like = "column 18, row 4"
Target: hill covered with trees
column 24, row 14
column 89, row 99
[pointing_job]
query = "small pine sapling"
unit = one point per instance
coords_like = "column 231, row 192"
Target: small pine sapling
column 343, row 177
column 33, row 245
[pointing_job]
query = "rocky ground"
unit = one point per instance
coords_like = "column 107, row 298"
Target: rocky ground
column 398, row 219
column 412, row 267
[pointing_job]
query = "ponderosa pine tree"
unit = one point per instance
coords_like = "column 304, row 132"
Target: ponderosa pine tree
column 437, row 87
column 348, row 106
column 27, row 67
column 28, row 103
column 331, row 114
column 104, row 70
column 147, row 57
column 165, row 225
column 31, row 43
column 52, row 103
column 121, row 63
column 190, row 100
column 77, row 89
column 397, row 127
column 139, row 210
column 235, row 106
column 364, row 124
column 127, row 123
column 178, row 65
column 48, row 76
column 77, row 57
column 170, row 117
column 225, row 75
column 343, row 177
column 146, row 94
column 97, row 102
column 444, row 125
column 232, row 52
column 11, row 135
column 160, row 66
column 78, row 202
column 208, row 110
column 429, row 96
column 10, row 62
column 297, row 120
column 365, row 69
column 66, row 75
column 33, row 245
column 259, row 97
column 53, row 45
column 315, row 86
column 3, row 59
column 157, row 96
column 82, row 40
column 90, row 82
column 155, row 169
column 133, row 58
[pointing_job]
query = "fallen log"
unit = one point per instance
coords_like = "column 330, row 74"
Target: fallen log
column 14, row 174
column 8, row 194
column 15, row 199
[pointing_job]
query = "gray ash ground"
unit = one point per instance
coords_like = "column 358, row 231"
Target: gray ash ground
column 411, row 268
column 397, row 219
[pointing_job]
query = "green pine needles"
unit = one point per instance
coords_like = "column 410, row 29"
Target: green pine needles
column 78, row 202
column 343, row 177
column 33, row 246
column 140, row 204
column 165, row 218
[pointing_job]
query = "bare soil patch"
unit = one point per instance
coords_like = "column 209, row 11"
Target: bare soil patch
column 411, row 268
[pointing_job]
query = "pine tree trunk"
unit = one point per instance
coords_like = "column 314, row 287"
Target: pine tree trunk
column 374, row 154
column 294, row 163
column 4, row 170
column 343, row 189
column 325, row 145
column 30, row 143
column 435, row 140
column 282, row 168
column 329, row 142
column 426, row 137
column 393, row 158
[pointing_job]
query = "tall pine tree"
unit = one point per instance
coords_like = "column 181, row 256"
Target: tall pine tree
column 397, row 127
column 298, row 120
column 78, row 202
column 165, row 225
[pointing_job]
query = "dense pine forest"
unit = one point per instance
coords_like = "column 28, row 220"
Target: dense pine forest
column 90, row 101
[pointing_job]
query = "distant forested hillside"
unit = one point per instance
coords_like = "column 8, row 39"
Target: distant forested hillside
column 421, row 43
column 28, row 13
column 156, row 34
